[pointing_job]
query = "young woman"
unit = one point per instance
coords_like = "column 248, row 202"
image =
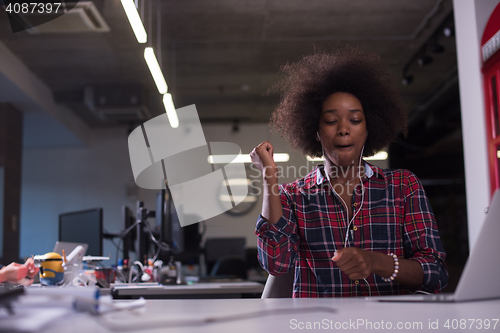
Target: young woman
column 348, row 228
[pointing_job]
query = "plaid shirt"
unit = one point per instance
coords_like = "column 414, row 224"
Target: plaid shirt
column 395, row 217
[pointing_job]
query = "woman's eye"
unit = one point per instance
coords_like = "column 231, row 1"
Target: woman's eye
column 355, row 121
column 330, row 121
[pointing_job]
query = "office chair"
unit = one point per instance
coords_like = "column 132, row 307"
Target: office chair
column 230, row 266
column 279, row 286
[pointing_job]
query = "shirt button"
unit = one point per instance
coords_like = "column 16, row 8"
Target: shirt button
column 355, row 204
column 356, row 282
column 355, row 228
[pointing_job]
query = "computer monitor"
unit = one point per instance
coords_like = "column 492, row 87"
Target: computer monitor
column 216, row 248
column 83, row 227
column 128, row 219
column 167, row 222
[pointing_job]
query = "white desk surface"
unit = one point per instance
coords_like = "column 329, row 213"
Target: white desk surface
column 235, row 315
column 193, row 289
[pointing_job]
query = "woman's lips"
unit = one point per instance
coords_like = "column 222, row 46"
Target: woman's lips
column 343, row 147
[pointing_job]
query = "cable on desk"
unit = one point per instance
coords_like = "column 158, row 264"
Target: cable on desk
column 148, row 324
column 138, row 263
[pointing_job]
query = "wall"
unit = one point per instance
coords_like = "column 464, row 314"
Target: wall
column 61, row 180
column 470, row 19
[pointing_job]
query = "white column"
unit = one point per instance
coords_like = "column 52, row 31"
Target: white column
column 470, row 19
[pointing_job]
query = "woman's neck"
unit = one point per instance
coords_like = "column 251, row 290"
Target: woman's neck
column 344, row 174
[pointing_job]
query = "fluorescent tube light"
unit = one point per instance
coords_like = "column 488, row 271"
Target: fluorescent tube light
column 244, row 158
column 381, row 156
column 315, row 159
column 170, row 109
column 237, row 182
column 135, row 21
column 237, row 198
column 155, row 70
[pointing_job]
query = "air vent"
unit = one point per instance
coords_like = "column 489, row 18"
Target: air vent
column 116, row 104
column 84, row 17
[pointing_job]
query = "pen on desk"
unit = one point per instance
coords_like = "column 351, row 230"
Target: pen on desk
column 64, row 256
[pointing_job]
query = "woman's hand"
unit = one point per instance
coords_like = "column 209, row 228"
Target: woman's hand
column 13, row 272
column 17, row 273
column 359, row 264
column 32, row 269
column 262, row 157
column 356, row 263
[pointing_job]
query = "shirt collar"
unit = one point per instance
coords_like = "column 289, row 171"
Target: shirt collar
column 316, row 177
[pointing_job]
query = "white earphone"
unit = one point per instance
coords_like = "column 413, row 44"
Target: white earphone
column 362, row 199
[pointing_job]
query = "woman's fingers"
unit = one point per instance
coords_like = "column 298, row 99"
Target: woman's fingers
column 262, row 155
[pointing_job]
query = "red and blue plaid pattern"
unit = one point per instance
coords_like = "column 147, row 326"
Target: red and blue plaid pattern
column 395, row 217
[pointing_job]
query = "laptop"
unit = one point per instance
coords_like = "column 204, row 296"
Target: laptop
column 68, row 247
column 479, row 280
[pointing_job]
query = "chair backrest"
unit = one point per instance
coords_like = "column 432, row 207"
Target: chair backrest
column 230, row 266
column 279, row 286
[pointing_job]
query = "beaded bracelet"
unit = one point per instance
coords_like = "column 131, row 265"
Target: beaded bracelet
column 396, row 268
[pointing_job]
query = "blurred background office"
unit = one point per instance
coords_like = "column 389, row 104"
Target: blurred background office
column 72, row 91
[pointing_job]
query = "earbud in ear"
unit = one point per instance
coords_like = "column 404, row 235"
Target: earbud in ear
column 317, row 134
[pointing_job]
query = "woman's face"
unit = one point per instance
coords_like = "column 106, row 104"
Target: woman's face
column 342, row 129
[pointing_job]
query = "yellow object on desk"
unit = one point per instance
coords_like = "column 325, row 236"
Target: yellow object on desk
column 51, row 269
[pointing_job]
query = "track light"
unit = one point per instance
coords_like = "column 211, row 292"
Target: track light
column 437, row 48
column 407, row 79
column 424, row 60
column 448, row 31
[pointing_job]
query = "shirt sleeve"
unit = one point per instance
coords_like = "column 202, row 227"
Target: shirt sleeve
column 422, row 239
column 278, row 243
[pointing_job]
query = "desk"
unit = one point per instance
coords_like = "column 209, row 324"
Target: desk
column 175, row 315
column 203, row 290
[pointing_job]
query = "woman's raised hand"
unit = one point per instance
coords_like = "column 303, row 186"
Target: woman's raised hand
column 262, row 156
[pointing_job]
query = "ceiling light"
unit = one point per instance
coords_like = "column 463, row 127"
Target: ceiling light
column 424, row 60
column 237, row 198
column 237, row 182
column 170, row 109
column 135, row 20
column 243, row 158
column 407, row 79
column 380, row 156
column 155, row 70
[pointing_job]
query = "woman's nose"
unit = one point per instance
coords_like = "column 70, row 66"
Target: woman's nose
column 343, row 128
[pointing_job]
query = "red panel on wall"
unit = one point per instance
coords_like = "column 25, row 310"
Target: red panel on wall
column 493, row 25
column 490, row 50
